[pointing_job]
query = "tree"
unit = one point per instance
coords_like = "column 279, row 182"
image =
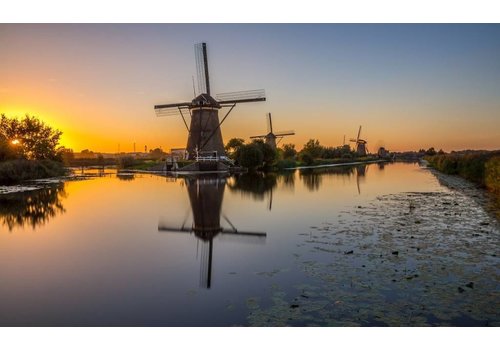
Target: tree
column 66, row 155
column 233, row 145
column 33, row 139
column 314, row 148
column 268, row 153
column 430, row 152
column 306, row 158
column 289, row 151
column 250, row 156
column 7, row 149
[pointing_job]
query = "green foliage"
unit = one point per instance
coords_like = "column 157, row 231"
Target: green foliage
column 6, row 149
column 286, row 163
column 479, row 167
column 15, row 171
column 268, row 153
column 289, row 151
column 250, row 156
column 313, row 148
column 306, row 158
column 36, row 140
column 233, row 145
column 66, row 155
column 492, row 174
column 430, row 152
column 156, row 153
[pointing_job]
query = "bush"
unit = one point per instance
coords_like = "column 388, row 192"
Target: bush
column 250, row 156
column 286, row 163
column 306, row 158
column 15, row 171
column 492, row 174
column 482, row 168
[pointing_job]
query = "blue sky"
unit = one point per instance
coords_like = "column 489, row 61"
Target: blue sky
column 408, row 85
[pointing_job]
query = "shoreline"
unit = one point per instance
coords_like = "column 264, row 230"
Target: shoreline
column 336, row 164
column 487, row 200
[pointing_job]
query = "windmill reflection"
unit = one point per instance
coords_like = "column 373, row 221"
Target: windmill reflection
column 258, row 185
column 206, row 194
column 360, row 175
column 33, row 208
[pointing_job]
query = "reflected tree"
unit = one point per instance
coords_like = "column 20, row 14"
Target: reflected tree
column 254, row 184
column 32, row 208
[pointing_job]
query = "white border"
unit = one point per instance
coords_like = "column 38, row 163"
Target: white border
column 249, row 11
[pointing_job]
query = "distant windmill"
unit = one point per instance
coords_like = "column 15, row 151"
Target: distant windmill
column 271, row 136
column 361, row 148
column 204, row 131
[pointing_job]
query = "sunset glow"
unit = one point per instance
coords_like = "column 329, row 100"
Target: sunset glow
column 409, row 86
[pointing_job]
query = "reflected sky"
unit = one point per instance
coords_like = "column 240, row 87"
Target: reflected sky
column 103, row 261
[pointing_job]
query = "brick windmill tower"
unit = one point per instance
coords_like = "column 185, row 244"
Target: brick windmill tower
column 205, row 136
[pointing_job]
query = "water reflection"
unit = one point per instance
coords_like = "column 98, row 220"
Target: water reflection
column 32, row 208
column 312, row 178
column 206, row 195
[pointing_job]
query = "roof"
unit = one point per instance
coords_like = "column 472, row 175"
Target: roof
column 205, row 100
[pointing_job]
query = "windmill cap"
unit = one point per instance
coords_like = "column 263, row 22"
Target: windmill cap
column 205, row 100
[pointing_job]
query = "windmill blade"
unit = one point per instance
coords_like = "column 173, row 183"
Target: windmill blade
column 258, row 136
column 359, row 132
column 174, row 105
column 175, row 229
column 285, row 133
column 200, row 53
column 269, row 123
column 167, row 112
column 253, row 240
column 353, row 140
column 241, row 96
column 243, row 233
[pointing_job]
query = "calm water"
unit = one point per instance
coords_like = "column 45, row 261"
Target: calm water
column 366, row 245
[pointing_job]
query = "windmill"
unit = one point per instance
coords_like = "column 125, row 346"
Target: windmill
column 271, row 136
column 205, row 135
column 205, row 196
column 361, row 148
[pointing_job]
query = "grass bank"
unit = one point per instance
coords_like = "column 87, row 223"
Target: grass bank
column 482, row 168
column 19, row 170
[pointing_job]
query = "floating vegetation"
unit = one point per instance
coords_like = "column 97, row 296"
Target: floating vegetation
column 407, row 259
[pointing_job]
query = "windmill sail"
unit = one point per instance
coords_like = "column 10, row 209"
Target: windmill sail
column 205, row 127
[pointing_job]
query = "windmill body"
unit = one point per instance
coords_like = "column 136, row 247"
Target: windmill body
column 204, row 134
column 360, row 144
column 271, row 137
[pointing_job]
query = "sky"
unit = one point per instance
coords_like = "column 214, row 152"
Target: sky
column 409, row 86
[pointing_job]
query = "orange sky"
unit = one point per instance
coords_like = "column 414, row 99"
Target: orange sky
column 98, row 83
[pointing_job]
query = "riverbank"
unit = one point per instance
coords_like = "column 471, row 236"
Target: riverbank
column 411, row 258
column 480, row 167
column 488, row 200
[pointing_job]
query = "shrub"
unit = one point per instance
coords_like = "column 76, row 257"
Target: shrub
column 492, row 174
column 250, row 156
column 15, row 171
column 286, row 163
column 306, row 158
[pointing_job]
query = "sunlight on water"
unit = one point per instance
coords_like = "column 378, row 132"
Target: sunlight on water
column 140, row 249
